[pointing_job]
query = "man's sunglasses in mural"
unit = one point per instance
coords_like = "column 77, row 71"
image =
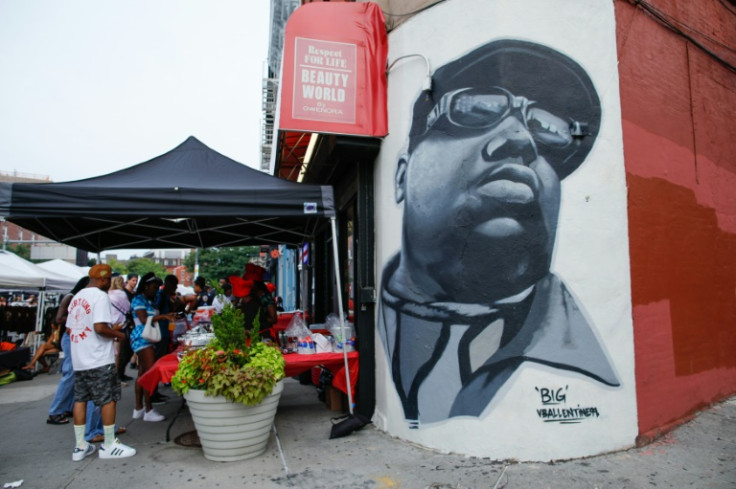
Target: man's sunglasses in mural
column 484, row 108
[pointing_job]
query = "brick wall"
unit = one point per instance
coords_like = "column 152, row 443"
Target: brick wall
column 679, row 140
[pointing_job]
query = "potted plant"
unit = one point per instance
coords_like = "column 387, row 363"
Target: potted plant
column 232, row 388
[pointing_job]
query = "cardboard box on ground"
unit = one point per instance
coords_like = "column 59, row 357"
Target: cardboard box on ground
column 336, row 400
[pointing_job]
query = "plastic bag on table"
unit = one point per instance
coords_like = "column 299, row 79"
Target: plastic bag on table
column 332, row 323
column 296, row 331
column 297, row 327
column 182, row 326
column 203, row 315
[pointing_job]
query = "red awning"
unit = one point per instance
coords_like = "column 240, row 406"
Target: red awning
column 334, row 70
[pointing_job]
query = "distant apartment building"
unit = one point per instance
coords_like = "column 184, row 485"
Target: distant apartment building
column 172, row 261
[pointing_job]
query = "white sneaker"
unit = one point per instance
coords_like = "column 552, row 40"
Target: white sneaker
column 79, row 453
column 153, row 416
column 117, row 450
column 138, row 413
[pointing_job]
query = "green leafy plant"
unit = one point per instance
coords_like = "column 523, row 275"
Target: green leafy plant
column 235, row 365
column 228, row 328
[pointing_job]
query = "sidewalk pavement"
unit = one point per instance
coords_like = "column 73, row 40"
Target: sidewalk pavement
column 700, row 454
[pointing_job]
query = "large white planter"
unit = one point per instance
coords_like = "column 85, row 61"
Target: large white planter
column 228, row 431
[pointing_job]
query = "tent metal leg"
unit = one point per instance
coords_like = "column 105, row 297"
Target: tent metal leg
column 333, row 223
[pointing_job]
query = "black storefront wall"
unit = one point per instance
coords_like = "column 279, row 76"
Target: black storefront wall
column 347, row 163
column 365, row 296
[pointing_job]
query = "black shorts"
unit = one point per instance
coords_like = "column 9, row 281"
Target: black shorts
column 100, row 385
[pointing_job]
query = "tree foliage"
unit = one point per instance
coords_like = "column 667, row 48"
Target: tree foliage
column 142, row 266
column 117, row 266
column 215, row 263
column 22, row 250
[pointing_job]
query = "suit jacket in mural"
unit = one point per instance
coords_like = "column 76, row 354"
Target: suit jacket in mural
column 450, row 359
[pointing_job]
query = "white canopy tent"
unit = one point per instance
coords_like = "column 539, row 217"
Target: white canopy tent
column 19, row 274
column 61, row 267
column 15, row 273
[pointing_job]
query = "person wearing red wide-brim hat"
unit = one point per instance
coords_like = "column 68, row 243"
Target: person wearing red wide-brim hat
column 254, row 298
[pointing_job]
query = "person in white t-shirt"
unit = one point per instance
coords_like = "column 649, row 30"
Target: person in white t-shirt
column 222, row 299
column 92, row 335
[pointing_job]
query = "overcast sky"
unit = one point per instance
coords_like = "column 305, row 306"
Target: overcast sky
column 88, row 87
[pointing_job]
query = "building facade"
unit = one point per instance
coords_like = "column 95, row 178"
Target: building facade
column 677, row 65
column 551, row 270
column 481, row 212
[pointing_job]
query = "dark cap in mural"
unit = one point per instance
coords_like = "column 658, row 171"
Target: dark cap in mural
column 562, row 109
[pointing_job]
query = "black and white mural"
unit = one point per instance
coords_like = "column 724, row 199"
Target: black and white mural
column 471, row 296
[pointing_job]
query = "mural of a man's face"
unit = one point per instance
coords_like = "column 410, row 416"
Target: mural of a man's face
column 480, row 183
column 470, row 296
column 476, row 190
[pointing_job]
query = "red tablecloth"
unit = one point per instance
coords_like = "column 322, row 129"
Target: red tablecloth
column 166, row 366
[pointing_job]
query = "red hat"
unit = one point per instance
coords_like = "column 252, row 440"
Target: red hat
column 241, row 287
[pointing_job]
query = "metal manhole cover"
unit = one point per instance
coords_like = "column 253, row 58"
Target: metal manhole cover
column 188, row 439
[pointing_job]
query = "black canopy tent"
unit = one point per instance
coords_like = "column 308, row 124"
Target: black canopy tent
column 190, row 197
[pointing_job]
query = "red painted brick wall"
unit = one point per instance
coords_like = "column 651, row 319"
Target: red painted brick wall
column 679, row 111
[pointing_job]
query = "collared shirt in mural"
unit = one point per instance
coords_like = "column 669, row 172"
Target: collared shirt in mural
column 451, row 360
